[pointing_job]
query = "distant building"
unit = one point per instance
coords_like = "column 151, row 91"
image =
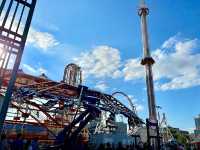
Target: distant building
column 119, row 135
column 197, row 124
column 196, row 138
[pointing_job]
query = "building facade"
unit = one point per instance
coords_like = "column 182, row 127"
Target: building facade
column 197, row 124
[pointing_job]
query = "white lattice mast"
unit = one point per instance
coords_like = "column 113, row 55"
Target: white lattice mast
column 147, row 61
column 165, row 131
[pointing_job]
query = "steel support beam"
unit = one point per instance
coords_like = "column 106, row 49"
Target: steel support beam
column 7, row 45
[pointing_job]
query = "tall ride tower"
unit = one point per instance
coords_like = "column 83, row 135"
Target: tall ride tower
column 147, row 61
column 72, row 75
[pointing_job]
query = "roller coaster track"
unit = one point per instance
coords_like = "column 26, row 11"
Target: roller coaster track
column 32, row 116
column 60, row 91
column 127, row 97
column 80, row 98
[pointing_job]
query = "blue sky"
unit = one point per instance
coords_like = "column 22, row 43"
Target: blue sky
column 104, row 38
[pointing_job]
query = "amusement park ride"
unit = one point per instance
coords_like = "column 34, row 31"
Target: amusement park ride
column 60, row 110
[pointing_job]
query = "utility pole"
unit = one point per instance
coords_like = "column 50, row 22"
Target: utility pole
column 147, row 61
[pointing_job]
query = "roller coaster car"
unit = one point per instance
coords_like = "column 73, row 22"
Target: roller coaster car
column 72, row 109
column 16, row 118
column 61, row 104
column 25, row 115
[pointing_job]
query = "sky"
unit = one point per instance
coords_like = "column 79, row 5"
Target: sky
column 104, row 38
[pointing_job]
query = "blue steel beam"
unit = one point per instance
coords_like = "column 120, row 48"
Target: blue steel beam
column 7, row 44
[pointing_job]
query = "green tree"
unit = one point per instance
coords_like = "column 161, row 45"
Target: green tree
column 180, row 138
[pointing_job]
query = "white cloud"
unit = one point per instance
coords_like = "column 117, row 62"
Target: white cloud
column 170, row 42
column 180, row 67
column 101, row 85
column 133, row 69
column 117, row 74
column 35, row 71
column 136, row 103
column 176, row 62
column 42, row 70
column 41, row 40
column 139, row 107
column 190, row 130
column 102, row 61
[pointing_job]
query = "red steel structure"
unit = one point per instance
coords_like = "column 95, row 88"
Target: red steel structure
column 54, row 105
